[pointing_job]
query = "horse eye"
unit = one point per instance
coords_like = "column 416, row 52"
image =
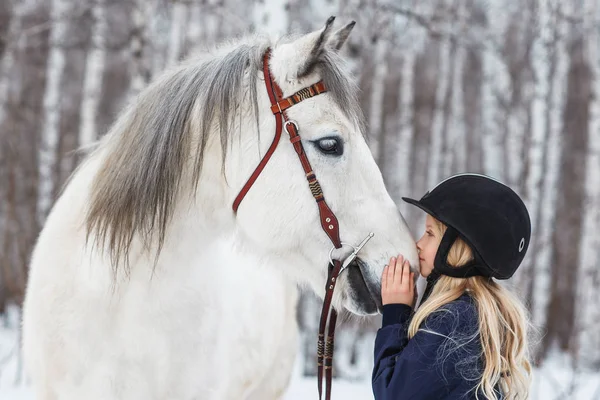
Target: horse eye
column 330, row 145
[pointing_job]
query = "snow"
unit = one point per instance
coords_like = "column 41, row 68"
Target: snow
column 552, row 381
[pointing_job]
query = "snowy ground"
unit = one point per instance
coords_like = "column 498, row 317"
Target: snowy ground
column 554, row 381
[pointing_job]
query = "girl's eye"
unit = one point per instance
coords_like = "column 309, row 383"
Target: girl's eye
column 429, row 233
column 330, row 145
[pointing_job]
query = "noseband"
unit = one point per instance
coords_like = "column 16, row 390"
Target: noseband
column 329, row 222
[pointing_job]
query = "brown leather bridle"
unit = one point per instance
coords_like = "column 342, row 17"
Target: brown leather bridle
column 329, row 222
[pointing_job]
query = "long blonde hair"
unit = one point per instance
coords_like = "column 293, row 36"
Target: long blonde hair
column 503, row 325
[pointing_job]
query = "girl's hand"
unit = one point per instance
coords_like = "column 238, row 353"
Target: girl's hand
column 397, row 282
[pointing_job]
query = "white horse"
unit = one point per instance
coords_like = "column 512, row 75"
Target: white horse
column 144, row 284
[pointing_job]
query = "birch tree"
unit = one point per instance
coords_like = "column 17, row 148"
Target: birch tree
column 588, row 340
column 496, row 85
column 522, row 137
column 7, row 64
column 566, row 236
column 554, row 106
column 51, row 109
column 405, row 136
column 511, row 104
column 375, row 103
column 193, row 32
column 94, row 71
column 140, row 66
column 8, row 56
column 455, row 157
column 179, row 13
column 439, row 130
column 538, row 134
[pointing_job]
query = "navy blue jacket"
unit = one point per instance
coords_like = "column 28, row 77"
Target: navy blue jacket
column 442, row 361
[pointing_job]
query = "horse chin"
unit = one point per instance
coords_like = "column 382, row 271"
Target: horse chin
column 363, row 296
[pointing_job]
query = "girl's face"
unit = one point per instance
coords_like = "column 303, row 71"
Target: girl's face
column 428, row 246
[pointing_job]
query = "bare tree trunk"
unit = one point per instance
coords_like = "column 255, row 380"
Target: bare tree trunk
column 554, row 109
column 405, row 139
column 472, row 83
column 52, row 109
column 439, row 129
column 391, row 147
column 494, row 89
column 179, row 12
column 425, row 88
column 94, row 72
column 7, row 66
column 515, row 114
column 7, row 62
column 140, row 46
column 388, row 116
column 587, row 324
column 194, row 25
column 456, row 156
column 538, row 149
column 521, row 39
column 564, row 260
column 536, row 87
column 10, row 268
column 158, row 34
column 375, row 105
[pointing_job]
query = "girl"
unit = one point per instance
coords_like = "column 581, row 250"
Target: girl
column 468, row 338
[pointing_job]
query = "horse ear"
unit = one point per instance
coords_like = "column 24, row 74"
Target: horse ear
column 318, row 47
column 300, row 57
column 339, row 38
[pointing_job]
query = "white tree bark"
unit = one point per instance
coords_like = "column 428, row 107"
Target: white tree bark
column 193, row 32
column 516, row 113
column 94, row 71
column 557, row 81
column 439, row 120
column 406, row 128
column 376, row 103
column 539, row 134
column 589, row 278
column 141, row 68
column 456, row 158
column 8, row 58
column 51, row 108
column 159, row 34
column 179, row 15
column 495, row 83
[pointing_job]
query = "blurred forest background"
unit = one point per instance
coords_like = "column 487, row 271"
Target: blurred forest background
column 509, row 88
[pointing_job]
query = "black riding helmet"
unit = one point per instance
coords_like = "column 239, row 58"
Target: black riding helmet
column 488, row 215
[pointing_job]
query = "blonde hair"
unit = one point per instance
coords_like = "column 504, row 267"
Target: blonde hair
column 503, row 325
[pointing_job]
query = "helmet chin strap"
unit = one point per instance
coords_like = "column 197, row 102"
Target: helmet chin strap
column 441, row 266
column 431, row 280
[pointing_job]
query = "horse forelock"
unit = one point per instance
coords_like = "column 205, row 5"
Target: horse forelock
column 146, row 151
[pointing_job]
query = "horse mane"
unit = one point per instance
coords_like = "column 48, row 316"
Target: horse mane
column 144, row 154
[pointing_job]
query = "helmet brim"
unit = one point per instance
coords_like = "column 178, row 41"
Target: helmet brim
column 421, row 206
column 428, row 210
